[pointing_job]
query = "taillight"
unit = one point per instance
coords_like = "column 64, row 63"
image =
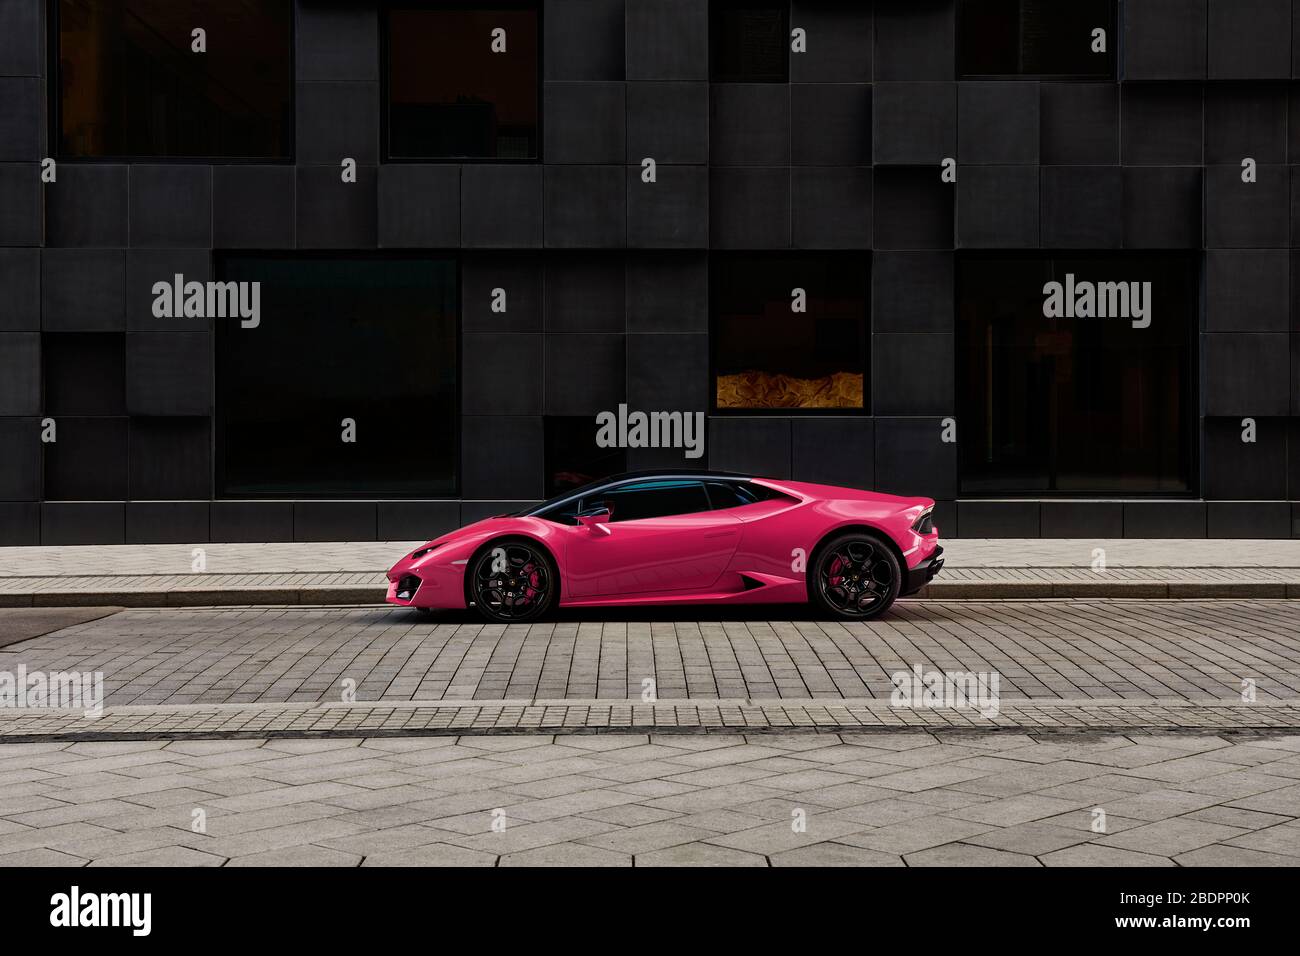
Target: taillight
column 924, row 524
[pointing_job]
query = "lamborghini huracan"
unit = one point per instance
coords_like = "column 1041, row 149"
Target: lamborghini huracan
column 680, row 538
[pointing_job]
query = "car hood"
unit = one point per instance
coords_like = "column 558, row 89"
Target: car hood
column 497, row 524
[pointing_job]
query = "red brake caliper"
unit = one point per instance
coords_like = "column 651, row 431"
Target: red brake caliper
column 530, row 574
column 837, row 566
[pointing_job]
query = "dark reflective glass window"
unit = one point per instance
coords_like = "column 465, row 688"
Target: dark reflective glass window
column 750, row 41
column 769, row 357
column 734, row 494
column 450, row 96
column 1035, row 38
column 1075, row 405
column 130, row 83
column 371, row 339
column 572, row 456
column 650, row 499
column 728, row 494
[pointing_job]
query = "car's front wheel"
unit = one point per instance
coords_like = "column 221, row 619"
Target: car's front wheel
column 855, row 576
column 512, row 581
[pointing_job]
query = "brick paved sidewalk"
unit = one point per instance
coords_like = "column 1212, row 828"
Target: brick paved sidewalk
column 904, row 799
column 352, row 573
column 1048, row 650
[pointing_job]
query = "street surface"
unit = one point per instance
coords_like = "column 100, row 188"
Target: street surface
column 772, row 739
column 617, row 799
column 1072, row 650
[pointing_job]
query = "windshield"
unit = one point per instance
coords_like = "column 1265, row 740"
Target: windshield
column 575, row 491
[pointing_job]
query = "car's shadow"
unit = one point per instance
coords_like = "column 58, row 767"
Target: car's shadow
column 680, row 613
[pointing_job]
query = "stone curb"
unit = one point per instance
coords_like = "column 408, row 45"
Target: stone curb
column 694, row 716
column 366, row 594
column 196, row 597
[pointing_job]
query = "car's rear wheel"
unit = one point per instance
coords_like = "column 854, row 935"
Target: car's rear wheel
column 855, row 576
column 512, row 581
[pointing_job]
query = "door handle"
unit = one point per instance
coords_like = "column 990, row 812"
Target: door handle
column 720, row 534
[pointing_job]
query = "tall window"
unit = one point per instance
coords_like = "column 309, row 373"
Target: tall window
column 463, row 81
column 1096, row 398
column 1036, row 38
column 348, row 383
column 174, row 78
column 572, row 456
column 790, row 331
column 750, row 41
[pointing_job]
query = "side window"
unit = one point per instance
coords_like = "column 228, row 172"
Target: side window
column 566, row 513
column 650, row 499
column 733, row 494
column 727, row 494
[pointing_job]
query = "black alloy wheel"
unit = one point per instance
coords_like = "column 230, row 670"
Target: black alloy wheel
column 856, row 576
column 512, row 581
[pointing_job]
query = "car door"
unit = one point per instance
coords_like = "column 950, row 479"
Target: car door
column 661, row 536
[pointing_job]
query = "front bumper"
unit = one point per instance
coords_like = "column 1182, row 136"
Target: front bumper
column 426, row 584
column 921, row 575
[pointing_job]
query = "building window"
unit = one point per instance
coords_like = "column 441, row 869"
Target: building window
column 1099, row 397
column 790, row 331
column 750, row 41
column 572, row 456
column 462, row 81
column 1036, row 38
column 348, row 385
column 131, row 84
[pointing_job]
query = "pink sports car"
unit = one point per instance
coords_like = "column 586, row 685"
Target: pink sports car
column 680, row 538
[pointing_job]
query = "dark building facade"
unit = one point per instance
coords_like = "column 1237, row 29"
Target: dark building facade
column 352, row 270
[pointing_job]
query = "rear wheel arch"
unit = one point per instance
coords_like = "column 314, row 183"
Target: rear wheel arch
column 858, row 528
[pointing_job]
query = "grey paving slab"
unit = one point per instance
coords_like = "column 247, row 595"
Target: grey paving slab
column 493, row 822
column 834, row 854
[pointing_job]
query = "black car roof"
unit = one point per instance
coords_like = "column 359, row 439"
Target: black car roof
column 675, row 473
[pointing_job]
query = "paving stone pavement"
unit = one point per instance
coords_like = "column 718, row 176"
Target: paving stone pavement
column 904, row 799
column 1042, row 650
column 352, row 572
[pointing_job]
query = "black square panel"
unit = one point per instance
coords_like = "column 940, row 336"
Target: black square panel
column 85, row 373
column 88, row 461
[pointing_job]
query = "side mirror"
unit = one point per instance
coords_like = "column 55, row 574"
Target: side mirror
column 595, row 519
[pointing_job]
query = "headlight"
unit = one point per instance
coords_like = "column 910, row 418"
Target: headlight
column 416, row 555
